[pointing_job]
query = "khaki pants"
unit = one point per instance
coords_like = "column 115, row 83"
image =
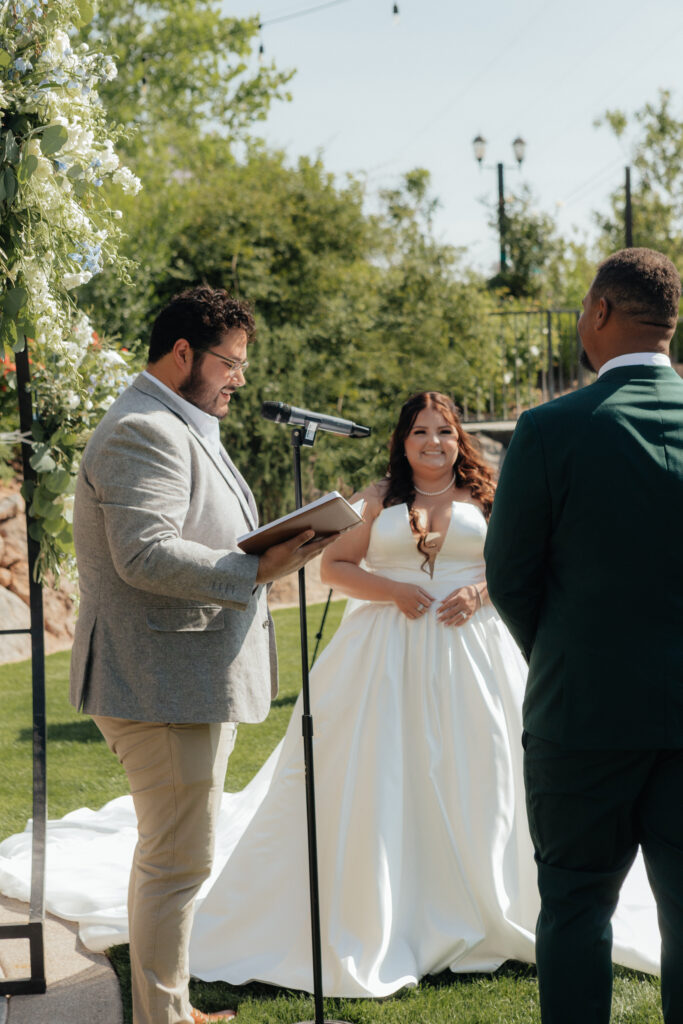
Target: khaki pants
column 176, row 775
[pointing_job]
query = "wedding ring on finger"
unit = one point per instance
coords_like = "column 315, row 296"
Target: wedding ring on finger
column 420, row 607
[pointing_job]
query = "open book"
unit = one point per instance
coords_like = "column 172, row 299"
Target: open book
column 330, row 514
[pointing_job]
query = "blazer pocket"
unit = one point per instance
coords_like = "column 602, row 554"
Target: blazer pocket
column 196, row 619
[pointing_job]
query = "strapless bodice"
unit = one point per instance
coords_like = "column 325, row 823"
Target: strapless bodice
column 392, row 550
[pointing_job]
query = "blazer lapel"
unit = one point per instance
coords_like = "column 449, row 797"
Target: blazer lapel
column 223, row 463
column 244, row 486
column 230, row 474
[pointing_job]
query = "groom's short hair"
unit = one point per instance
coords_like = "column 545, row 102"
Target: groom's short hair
column 640, row 283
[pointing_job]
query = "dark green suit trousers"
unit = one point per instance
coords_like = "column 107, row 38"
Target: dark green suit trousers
column 588, row 813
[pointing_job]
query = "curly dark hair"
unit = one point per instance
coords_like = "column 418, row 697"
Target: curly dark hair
column 471, row 470
column 640, row 283
column 201, row 315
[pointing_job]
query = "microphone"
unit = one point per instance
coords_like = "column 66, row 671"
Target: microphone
column 282, row 413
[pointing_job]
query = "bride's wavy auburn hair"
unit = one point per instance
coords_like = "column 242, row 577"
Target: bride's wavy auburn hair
column 471, row 471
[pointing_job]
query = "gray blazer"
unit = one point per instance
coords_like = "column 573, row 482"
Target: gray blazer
column 172, row 627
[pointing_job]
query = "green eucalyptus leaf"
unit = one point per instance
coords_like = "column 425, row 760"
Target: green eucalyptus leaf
column 41, row 460
column 27, row 489
column 8, row 332
column 86, row 11
column 11, row 148
column 35, row 530
column 2, row 187
column 37, row 431
column 53, row 138
column 15, row 298
column 65, row 542
column 10, row 184
column 54, row 524
column 75, row 171
column 28, row 165
column 27, row 326
column 5, row 59
column 42, row 504
column 57, row 482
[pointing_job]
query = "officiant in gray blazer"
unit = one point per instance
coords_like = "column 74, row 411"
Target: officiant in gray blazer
column 174, row 644
column 585, row 565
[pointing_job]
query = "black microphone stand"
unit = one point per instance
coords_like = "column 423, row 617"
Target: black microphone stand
column 307, row 437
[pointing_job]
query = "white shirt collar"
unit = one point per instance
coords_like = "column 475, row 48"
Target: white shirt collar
column 635, row 359
column 203, row 422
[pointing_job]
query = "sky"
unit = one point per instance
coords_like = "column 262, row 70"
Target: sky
column 376, row 98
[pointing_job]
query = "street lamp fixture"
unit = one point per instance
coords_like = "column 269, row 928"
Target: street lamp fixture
column 519, row 149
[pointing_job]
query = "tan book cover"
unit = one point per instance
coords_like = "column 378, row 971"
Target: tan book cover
column 330, row 514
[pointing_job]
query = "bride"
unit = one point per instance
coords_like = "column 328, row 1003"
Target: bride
column 425, row 860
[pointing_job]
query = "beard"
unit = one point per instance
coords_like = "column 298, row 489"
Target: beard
column 205, row 396
column 585, row 361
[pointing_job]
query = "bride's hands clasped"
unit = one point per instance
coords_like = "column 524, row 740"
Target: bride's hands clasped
column 412, row 600
column 459, row 606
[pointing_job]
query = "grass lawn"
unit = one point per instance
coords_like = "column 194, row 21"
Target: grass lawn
column 82, row 772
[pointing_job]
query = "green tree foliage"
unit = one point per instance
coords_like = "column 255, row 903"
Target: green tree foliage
column 656, row 180
column 533, row 248
column 183, row 69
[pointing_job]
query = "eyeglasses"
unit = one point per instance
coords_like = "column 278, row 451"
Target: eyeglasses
column 234, row 365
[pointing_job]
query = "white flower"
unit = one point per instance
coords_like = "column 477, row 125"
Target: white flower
column 68, row 507
column 60, row 41
column 74, row 280
column 127, row 180
column 109, row 355
column 108, row 159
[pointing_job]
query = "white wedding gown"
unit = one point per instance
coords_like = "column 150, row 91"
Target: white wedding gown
column 424, row 855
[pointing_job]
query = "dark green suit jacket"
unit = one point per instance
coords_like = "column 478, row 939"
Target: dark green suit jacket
column 585, row 561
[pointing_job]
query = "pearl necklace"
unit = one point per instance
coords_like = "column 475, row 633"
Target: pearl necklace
column 433, row 494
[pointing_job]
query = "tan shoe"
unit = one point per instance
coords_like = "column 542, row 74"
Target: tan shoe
column 204, row 1018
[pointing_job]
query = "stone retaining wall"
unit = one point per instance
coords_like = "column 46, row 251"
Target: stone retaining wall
column 58, row 605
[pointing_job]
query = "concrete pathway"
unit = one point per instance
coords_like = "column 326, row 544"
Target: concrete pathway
column 81, row 986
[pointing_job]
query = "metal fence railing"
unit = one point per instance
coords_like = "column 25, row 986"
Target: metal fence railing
column 538, row 360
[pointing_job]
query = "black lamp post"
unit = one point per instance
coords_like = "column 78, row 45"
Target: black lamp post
column 519, row 149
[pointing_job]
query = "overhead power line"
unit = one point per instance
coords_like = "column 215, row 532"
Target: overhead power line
column 309, row 10
column 300, row 14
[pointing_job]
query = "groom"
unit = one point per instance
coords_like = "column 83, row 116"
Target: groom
column 585, row 565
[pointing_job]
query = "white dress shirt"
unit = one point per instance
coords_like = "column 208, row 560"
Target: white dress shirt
column 635, row 359
column 203, row 422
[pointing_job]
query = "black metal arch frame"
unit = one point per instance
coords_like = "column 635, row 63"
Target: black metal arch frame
column 33, row 929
